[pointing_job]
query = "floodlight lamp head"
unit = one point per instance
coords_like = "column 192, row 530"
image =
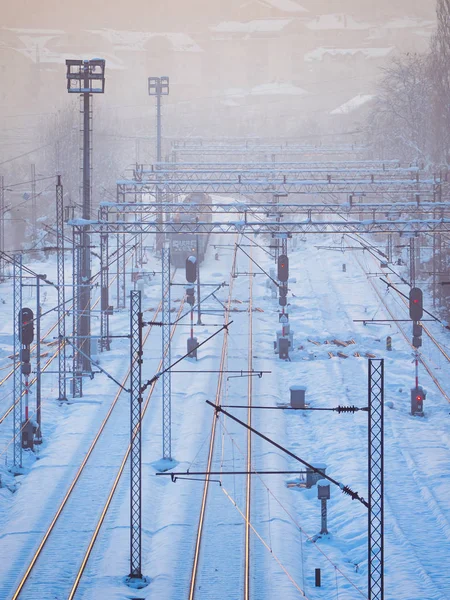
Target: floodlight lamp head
column 158, row 86
column 85, row 76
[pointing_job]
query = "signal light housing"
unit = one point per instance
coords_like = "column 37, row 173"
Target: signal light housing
column 26, row 326
column 191, row 269
column 283, row 268
column 415, row 304
column 418, row 396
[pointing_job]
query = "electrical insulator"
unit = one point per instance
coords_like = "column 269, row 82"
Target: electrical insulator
column 283, row 268
column 415, row 304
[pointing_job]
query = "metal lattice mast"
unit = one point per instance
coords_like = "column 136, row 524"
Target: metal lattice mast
column 77, row 366
column 2, row 227
column 17, row 384
column 104, row 283
column 120, row 266
column 412, row 262
column 61, row 290
column 376, row 480
column 166, row 359
column 135, row 433
column 33, row 201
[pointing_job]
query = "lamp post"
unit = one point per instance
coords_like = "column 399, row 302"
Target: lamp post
column 158, row 86
column 85, row 77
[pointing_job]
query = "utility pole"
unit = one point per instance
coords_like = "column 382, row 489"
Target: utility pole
column 61, row 290
column 135, row 441
column 166, row 358
column 38, row 433
column 17, row 382
column 412, row 262
column 33, row 202
column 104, row 283
column 199, row 310
column 376, row 480
column 85, row 77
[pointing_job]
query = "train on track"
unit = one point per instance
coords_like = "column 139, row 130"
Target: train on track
column 185, row 244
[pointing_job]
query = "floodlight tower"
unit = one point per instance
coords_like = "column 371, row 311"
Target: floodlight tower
column 158, row 86
column 85, row 77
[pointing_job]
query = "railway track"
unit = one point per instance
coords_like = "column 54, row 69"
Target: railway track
column 48, row 362
column 246, row 513
column 407, row 337
column 249, row 440
column 60, row 538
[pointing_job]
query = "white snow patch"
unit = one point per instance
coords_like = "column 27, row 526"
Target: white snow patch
column 407, row 22
column 256, row 26
column 320, row 53
column 265, row 89
column 286, row 5
column 136, row 40
column 352, row 104
column 336, row 21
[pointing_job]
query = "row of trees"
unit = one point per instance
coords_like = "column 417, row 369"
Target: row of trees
column 411, row 115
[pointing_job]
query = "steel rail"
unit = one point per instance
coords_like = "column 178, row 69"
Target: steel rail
column 407, row 339
column 249, row 440
column 47, row 364
column 77, row 476
column 116, row 482
column 201, row 521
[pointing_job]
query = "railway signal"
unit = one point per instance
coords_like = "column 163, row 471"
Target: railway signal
column 415, row 304
column 417, row 335
column 190, row 296
column 418, row 395
column 283, row 268
column 26, row 336
column 26, row 327
column 191, row 269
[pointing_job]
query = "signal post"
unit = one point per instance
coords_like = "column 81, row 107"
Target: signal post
column 416, row 313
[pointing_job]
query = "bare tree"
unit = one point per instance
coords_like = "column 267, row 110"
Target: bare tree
column 399, row 124
column 440, row 76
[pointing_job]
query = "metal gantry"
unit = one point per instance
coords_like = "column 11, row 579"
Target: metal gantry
column 61, row 290
column 376, row 480
column 17, row 383
column 135, row 434
column 166, row 355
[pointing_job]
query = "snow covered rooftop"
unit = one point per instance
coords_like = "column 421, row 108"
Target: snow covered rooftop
column 265, row 89
column 336, row 21
column 352, row 104
column 136, row 40
column 286, row 5
column 256, row 26
column 320, row 53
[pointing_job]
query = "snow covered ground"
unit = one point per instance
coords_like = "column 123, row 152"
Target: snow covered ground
column 323, row 303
